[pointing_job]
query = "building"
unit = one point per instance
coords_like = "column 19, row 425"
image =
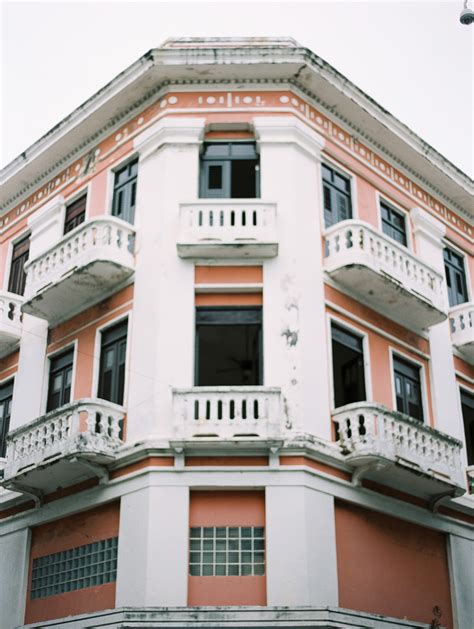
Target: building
column 236, row 356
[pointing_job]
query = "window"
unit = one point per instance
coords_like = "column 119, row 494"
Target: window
column 347, row 367
column 393, row 224
column 74, row 569
column 230, row 170
column 75, row 214
column 467, row 406
column 6, row 396
column 228, row 346
column 337, row 196
column 408, row 388
column 21, row 250
column 227, row 551
column 112, row 363
column 125, row 192
column 455, row 277
column 60, row 378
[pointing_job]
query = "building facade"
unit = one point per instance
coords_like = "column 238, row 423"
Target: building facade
column 236, row 349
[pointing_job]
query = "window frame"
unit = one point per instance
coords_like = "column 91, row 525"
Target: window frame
column 331, row 163
column 50, row 356
column 12, row 244
column 226, row 162
column 384, row 200
column 467, row 279
column 51, row 359
column 78, row 194
column 364, row 336
column 425, row 408
column 4, row 383
column 101, row 329
column 112, row 173
column 466, row 391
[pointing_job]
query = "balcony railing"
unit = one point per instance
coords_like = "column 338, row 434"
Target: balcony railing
column 84, row 431
column 372, row 434
column 10, row 322
column 84, row 267
column 461, row 319
column 385, row 275
column 230, row 228
column 227, row 412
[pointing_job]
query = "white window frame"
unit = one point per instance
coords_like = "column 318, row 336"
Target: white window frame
column 8, row 259
column 381, row 198
column 109, row 194
column 428, row 419
column 77, row 194
column 448, row 244
column 50, row 356
column 331, row 163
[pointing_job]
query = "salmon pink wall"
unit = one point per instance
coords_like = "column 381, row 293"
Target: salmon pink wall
column 366, row 201
column 228, row 275
column 391, row 567
column 77, row 530
column 229, row 299
column 227, row 508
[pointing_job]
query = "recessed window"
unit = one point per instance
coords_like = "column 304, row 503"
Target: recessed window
column 75, row 214
column 6, row 396
column 228, row 346
column 455, row 277
column 348, row 366
column 230, row 170
column 112, row 363
column 393, row 224
column 408, row 388
column 467, row 406
column 125, row 192
column 60, row 379
column 17, row 280
column 74, row 569
column 337, row 196
column 220, row 551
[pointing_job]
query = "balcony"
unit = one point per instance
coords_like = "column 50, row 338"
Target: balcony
column 10, row 322
column 461, row 319
column 84, row 267
column 227, row 412
column 384, row 275
column 227, row 229
column 63, row 447
column 396, row 450
column 470, row 478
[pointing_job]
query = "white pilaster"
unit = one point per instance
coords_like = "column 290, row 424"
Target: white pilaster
column 301, row 547
column 47, row 226
column 295, row 345
column 162, row 337
column 429, row 233
column 153, row 548
column 461, row 565
column 14, row 551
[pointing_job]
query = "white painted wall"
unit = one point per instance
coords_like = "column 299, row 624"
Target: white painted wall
column 461, row 565
column 153, row 547
column 14, row 553
column 301, row 547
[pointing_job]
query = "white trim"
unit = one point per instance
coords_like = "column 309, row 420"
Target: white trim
column 46, row 372
column 111, row 172
column 428, row 419
column 8, row 258
column 382, row 198
column 363, row 335
column 331, row 162
column 448, row 244
column 77, row 194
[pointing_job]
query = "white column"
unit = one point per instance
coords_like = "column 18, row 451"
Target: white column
column 152, row 565
column 295, row 344
column 301, row 547
column 429, row 233
column 162, row 336
column 14, row 554
column 461, row 560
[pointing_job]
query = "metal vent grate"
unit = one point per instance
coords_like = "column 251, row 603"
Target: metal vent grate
column 74, row 569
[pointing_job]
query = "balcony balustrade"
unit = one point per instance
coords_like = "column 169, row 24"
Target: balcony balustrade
column 461, row 319
column 63, row 447
column 227, row 229
column 396, row 450
column 227, row 412
column 10, row 322
column 384, row 275
column 84, row 267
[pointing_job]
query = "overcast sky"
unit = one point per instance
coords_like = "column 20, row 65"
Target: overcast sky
column 414, row 58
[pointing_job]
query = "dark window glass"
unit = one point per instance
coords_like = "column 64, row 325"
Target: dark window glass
column 228, row 346
column 230, row 171
column 336, row 197
column 467, row 405
column 455, row 277
column 60, row 379
column 348, row 367
column 125, row 192
column 21, row 251
column 112, row 363
column 75, row 214
column 408, row 388
column 393, row 224
column 6, row 396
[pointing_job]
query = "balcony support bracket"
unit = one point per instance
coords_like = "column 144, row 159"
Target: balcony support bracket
column 98, row 470
column 31, row 492
column 436, row 500
column 362, row 471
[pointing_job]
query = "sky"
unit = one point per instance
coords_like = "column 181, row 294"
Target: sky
column 413, row 57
